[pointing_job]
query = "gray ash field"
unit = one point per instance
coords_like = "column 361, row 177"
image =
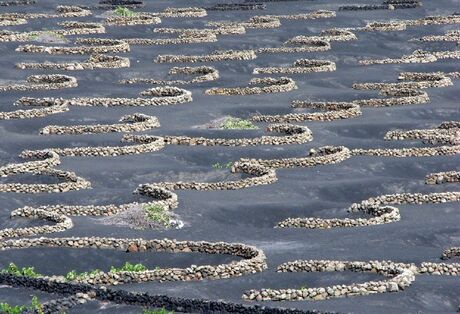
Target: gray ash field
column 268, row 178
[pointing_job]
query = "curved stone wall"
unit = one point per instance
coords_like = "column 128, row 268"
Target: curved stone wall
column 263, row 170
column 215, row 31
column 94, row 45
column 42, row 167
column 377, row 208
column 69, row 28
column 33, row 113
column 295, row 134
column 299, row 66
column 401, row 276
column 253, row 261
column 43, row 81
column 131, row 123
column 268, row 85
column 204, row 74
column 138, row 19
column 95, row 61
column 214, row 56
column 99, row 151
column 418, row 56
column 311, row 43
column 158, row 96
column 333, row 111
column 59, row 215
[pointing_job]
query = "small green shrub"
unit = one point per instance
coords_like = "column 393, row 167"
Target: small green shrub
column 73, row 275
column 157, row 311
column 238, row 124
column 125, row 12
column 227, row 165
column 158, row 214
column 35, row 307
column 24, row 271
column 128, row 267
column 10, row 309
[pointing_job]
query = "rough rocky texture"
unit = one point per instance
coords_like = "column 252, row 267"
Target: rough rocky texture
column 43, row 167
column 69, row 28
column 94, row 45
column 295, row 135
column 59, row 215
column 333, row 111
column 157, row 96
column 377, row 208
column 299, row 66
column 214, row 56
column 402, row 275
column 311, row 43
column 182, row 38
column 131, row 123
column 418, row 56
column 95, row 61
column 36, row 82
column 204, row 74
column 268, row 85
column 253, row 261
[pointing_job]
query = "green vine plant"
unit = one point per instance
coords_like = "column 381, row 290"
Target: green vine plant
column 73, row 275
column 34, row 307
column 159, row 214
column 125, row 12
column 238, row 124
column 219, row 165
column 13, row 269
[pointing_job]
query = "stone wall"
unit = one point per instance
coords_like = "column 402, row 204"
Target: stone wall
column 95, row 61
column 43, row 167
column 267, row 85
column 204, row 74
column 253, row 260
column 42, row 81
column 93, row 45
column 378, row 209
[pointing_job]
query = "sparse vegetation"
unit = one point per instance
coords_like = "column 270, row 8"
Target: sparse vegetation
column 73, row 275
column 159, row 214
column 24, row 271
column 238, row 124
column 125, row 12
column 35, row 307
column 227, row 165
column 157, row 311
column 128, row 267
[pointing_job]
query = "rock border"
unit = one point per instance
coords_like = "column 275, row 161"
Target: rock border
column 253, row 261
column 219, row 55
column 42, row 82
column 130, row 123
column 299, row 66
column 204, row 74
column 94, row 46
column 43, row 166
column 95, row 61
column 268, row 85
column 402, row 275
column 377, row 208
